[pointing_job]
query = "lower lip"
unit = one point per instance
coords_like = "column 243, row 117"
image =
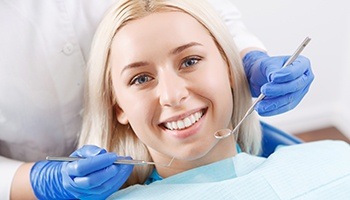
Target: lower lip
column 187, row 132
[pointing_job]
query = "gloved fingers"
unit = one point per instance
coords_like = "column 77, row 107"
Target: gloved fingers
column 120, row 174
column 96, row 178
column 108, row 193
column 301, row 66
column 103, row 190
column 99, row 178
column 281, row 104
column 273, row 90
column 261, row 74
column 87, row 151
column 90, row 164
column 272, row 65
column 114, row 188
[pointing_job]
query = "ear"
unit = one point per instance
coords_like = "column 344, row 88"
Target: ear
column 121, row 117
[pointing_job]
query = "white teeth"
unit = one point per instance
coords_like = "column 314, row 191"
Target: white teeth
column 173, row 125
column 184, row 123
column 187, row 122
column 193, row 119
column 198, row 115
column 180, row 124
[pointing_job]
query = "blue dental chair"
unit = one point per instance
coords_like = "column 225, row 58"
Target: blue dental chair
column 272, row 137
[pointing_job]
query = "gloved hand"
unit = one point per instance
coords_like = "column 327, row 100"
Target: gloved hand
column 95, row 177
column 283, row 88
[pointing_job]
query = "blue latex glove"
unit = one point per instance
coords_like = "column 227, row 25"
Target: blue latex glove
column 95, row 177
column 283, row 88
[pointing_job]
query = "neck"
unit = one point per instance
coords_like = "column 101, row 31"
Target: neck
column 225, row 148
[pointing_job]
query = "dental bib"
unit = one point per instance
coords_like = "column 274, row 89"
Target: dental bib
column 316, row 170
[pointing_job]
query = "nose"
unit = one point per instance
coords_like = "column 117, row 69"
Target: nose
column 172, row 89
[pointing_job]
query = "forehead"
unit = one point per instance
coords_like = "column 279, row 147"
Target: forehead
column 158, row 29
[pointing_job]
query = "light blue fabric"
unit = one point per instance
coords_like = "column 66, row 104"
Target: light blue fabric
column 317, row 170
column 156, row 177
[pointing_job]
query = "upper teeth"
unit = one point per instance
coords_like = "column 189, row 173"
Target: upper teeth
column 184, row 123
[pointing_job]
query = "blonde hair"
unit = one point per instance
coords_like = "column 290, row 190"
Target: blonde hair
column 100, row 126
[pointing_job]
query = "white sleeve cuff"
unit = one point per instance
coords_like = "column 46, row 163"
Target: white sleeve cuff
column 8, row 168
column 232, row 17
column 245, row 39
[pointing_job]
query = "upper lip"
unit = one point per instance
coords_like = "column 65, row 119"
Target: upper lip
column 181, row 116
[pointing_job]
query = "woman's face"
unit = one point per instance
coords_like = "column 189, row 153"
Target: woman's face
column 172, row 86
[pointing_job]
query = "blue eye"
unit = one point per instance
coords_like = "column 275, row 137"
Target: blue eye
column 140, row 79
column 190, row 61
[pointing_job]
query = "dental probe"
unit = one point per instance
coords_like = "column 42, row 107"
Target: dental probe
column 121, row 161
column 223, row 133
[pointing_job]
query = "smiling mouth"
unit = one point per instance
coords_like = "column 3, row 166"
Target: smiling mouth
column 185, row 122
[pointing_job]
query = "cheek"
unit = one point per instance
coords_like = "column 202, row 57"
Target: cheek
column 140, row 112
column 137, row 110
column 218, row 89
column 216, row 82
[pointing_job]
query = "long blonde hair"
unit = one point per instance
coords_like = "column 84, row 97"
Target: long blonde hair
column 100, row 126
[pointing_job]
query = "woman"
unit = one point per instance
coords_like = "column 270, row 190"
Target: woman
column 163, row 77
column 126, row 78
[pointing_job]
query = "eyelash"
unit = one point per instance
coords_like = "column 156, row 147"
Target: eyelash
column 192, row 58
column 136, row 79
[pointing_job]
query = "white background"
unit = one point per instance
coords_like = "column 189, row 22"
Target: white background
column 281, row 26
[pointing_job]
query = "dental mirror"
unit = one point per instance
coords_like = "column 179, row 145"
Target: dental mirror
column 224, row 133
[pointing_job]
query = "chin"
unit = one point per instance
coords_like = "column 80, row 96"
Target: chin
column 194, row 154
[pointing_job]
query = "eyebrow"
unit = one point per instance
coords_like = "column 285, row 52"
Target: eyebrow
column 183, row 47
column 134, row 65
column 177, row 50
